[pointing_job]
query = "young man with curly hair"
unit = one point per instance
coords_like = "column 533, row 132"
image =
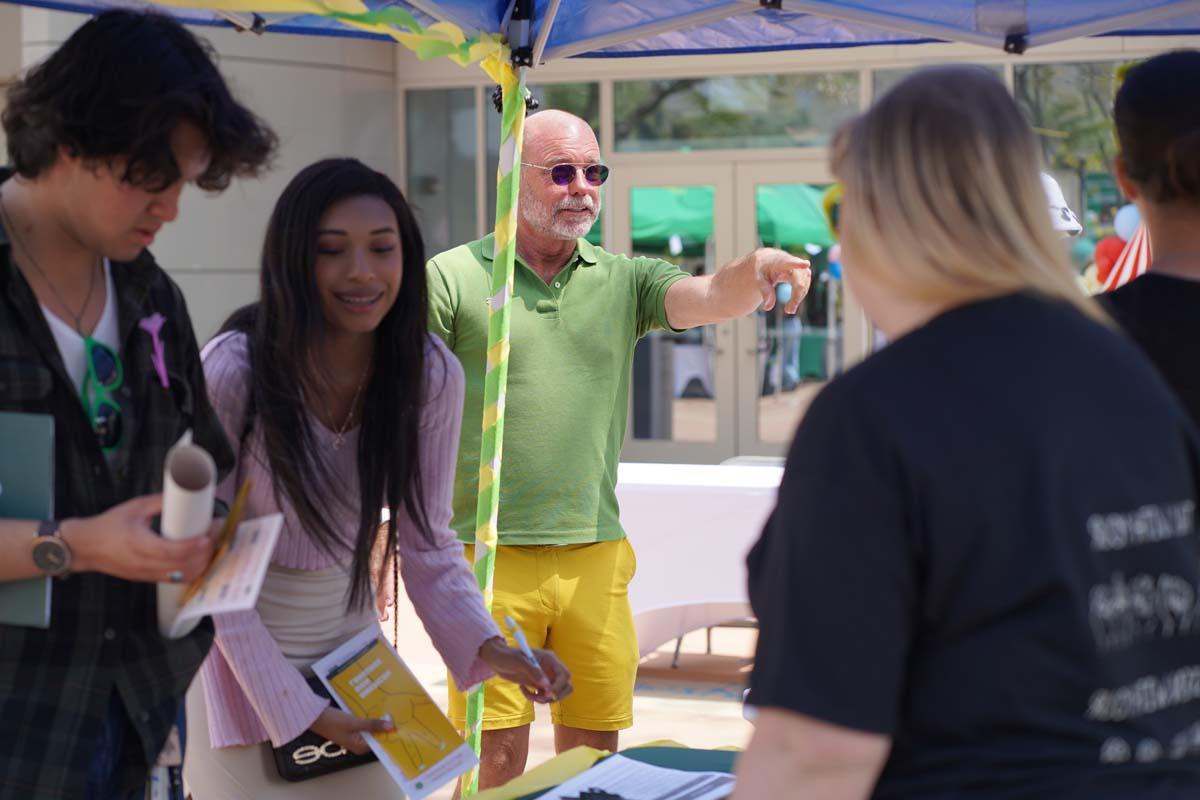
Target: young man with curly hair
column 103, row 136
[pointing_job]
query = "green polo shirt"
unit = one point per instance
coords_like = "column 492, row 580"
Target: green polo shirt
column 568, row 384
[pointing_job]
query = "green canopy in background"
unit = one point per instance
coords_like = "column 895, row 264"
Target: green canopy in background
column 789, row 217
column 661, row 212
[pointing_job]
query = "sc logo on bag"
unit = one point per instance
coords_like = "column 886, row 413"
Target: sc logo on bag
column 311, row 753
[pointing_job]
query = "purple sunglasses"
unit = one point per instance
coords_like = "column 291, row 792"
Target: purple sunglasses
column 563, row 174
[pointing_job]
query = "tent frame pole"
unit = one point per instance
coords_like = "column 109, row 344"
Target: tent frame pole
column 1120, row 22
column 539, row 46
column 915, row 26
column 730, row 9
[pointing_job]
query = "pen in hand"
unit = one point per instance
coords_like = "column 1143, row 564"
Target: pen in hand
column 523, row 644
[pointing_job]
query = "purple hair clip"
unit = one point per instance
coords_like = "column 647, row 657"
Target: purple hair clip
column 153, row 326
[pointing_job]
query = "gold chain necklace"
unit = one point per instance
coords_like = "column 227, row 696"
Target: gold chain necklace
column 339, row 435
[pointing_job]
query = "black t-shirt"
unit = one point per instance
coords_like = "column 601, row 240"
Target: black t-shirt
column 1162, row 314
column 985, row 548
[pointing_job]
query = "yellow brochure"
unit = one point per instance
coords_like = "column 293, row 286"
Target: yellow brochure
column 370, row 680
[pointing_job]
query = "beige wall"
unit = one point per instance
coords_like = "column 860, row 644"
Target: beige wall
column 323, row 96
column 10, row 57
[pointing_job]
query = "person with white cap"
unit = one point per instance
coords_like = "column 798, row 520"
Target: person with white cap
column 1061, row 216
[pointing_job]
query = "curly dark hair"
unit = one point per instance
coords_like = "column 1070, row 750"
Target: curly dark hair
column 117, row 89
column 1157, row 114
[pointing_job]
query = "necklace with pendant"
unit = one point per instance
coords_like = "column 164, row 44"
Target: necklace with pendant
column 339, row 435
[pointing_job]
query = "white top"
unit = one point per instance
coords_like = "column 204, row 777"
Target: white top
column 721, row 476
column 70, row 343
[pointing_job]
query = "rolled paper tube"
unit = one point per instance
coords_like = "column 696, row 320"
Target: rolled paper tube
column 189, row 486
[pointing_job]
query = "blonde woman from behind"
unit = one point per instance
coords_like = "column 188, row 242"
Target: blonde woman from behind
column 943, row 588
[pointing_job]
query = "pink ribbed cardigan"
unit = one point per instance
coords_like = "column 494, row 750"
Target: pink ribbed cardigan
column 254, row 693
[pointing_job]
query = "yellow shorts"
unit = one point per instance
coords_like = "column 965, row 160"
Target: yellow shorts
column 574, row 600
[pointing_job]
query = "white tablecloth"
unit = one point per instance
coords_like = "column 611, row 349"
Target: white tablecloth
column 691, row 526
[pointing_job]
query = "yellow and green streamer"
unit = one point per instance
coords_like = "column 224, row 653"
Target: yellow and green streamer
column 496, row 378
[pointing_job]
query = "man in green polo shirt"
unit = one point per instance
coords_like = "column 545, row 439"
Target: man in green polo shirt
column 563, row 565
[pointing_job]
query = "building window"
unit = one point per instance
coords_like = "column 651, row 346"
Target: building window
column 745, row 111
column 440, row 126
column 884, row 79
column 1070, row 108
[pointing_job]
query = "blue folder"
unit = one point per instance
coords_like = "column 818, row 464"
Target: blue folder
column 26, row 492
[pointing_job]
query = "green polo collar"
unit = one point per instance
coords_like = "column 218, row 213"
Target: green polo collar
column 585, row 251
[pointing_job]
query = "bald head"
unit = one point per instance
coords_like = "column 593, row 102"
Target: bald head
column 554, row 136
column 548, row 211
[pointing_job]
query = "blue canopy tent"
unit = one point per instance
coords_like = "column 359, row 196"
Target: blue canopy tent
column 629, row 28
column 623, row 28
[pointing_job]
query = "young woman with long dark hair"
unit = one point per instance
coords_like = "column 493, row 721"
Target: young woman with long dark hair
column 339, row 404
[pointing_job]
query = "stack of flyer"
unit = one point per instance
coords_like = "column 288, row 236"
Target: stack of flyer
column 622, row 778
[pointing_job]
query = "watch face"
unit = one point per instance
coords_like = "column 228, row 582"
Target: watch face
column 51, row 557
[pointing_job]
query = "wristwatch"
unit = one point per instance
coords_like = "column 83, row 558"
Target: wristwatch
column 50, row 553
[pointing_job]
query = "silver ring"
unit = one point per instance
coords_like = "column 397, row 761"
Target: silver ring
column 175, row 576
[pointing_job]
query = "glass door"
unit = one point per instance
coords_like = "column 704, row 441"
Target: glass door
column 683, row 398
column 783, row 361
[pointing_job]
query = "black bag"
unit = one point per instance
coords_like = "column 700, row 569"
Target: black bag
column 311, row 756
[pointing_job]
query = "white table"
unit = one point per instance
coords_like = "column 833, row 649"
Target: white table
column 691, row 526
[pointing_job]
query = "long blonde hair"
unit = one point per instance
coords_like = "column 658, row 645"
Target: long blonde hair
column 943, row 201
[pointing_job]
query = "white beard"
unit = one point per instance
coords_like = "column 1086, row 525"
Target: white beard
column 542, row 218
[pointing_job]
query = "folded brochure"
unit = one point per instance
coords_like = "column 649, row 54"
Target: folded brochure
column 369, row 679
column 234, row 579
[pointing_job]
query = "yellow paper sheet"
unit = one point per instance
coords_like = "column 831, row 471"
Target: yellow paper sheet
column 546, row 775
column 562, row 768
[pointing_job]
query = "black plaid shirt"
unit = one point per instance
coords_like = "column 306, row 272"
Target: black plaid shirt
column 56, row 685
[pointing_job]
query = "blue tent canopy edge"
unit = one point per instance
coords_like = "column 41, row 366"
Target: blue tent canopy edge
column 630, row 28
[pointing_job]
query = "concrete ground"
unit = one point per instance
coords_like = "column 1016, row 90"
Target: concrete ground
column 698, row 704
